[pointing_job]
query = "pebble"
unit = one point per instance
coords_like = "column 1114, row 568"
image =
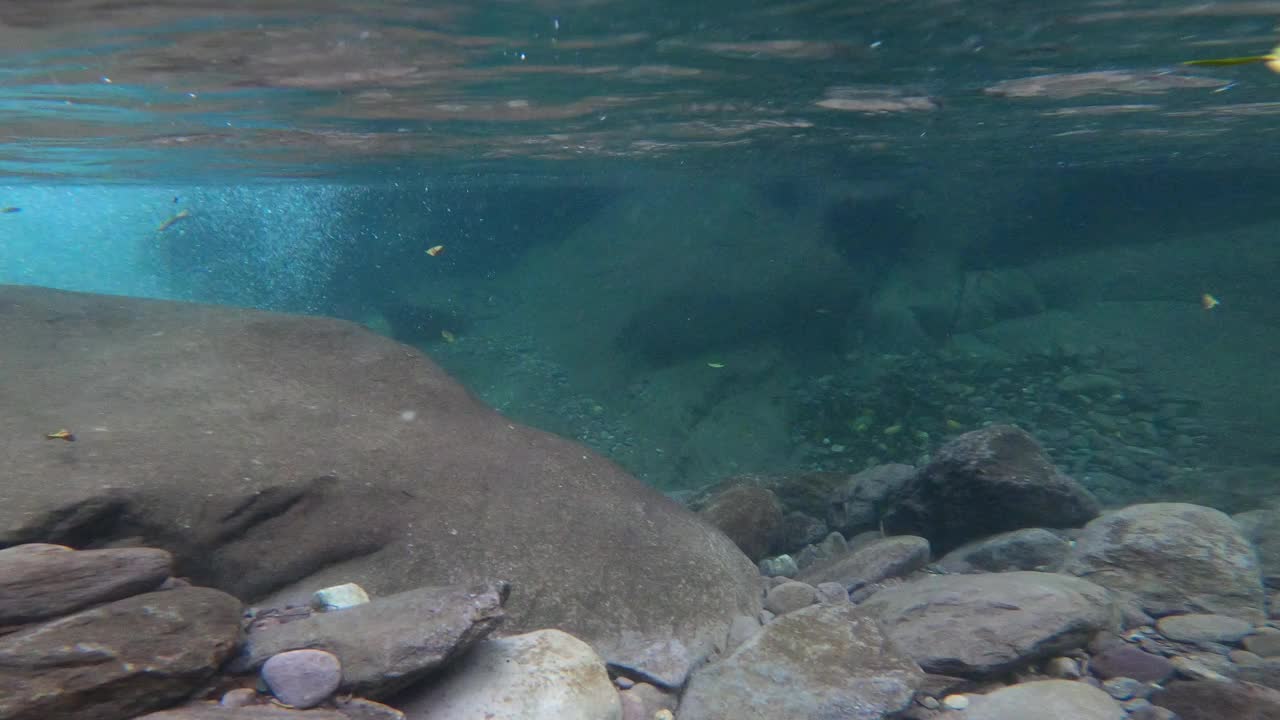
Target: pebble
column 781, row 566
column 239, row 697
column 1123, row 688
column 1063, row 668
column 302, row 678
column 339, row 597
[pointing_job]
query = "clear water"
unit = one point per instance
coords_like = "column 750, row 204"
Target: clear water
column 704, row 238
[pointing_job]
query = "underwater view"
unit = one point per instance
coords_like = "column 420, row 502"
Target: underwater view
column 619, row 360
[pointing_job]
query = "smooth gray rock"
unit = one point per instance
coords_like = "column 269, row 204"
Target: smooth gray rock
column 880, row 559
column 982, row 625
column 390, row 642
column 274, row 455
column 824, row 661
column 39, row 581
column 118, row 660
column 542, row 674
column 1026, row 549
column 1201, row 628
column 789, row 597
column 1265, row 642
column 1175, row 558
column 1045, row 700
column 302, row 678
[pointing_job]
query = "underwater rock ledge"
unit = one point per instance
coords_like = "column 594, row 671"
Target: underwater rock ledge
column 275, row 454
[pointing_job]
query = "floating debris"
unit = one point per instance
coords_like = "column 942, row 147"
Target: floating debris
column 716, row 365
column 10, row 209
column 1209, row 302
column 62, row 434
column 182, row 214
column 1271, row 59
column 448, row 336
column 435, row 250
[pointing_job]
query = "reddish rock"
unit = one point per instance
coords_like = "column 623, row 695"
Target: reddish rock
column 750, row 515
column 1219, row 700
column 1121, row 660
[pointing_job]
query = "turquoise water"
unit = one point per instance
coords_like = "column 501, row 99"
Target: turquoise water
column 703, row 238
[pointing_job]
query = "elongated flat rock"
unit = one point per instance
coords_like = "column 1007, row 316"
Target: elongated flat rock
column 39, row 581
column 120, row 659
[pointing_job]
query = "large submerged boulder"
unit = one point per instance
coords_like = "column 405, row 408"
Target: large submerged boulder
column 274, row 455
column 984, row 482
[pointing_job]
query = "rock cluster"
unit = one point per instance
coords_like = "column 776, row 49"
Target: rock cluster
column 982, row 584
column 1150, row 612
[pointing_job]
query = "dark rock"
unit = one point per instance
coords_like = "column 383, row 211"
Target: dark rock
column 1123, row 660
column 302, row 678
column 751, row 516
column 824, row 661
column 983, row 625
column 1175, row 558
column 388, row 643
column 42, row 581
column 870, row 563
column 1028, row 549
column 303, row 452
column 118, row 660
column 859, row 503
column 799, row 529
column 1219, row 700
column 985, row 482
